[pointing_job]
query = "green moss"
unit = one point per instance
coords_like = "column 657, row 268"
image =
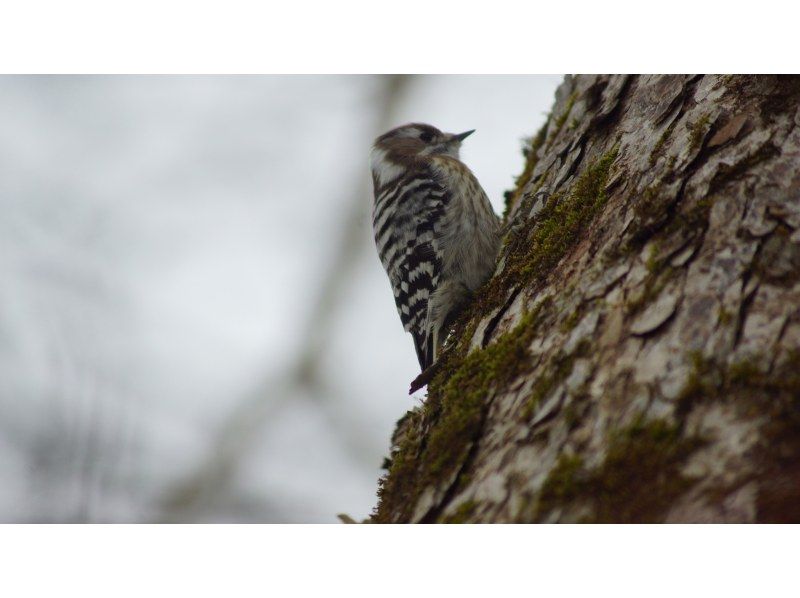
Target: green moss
column 724, row 316
column 744, row 372
column 569, row 323
column 698, row 131
column 564, row 483
column 652, row 210
column 565, row 217
column 695, row 217
column 699, row 382
column 399, row 482
column 560, row 120
column 575, row 409
column 640, row 476
column 637, row 481
column 464, row 479
column 453, row 414
column 532, row 253
column 659, row 146
column 463, row 513
column 652, row 264
column 709, row 379
column 458, row 397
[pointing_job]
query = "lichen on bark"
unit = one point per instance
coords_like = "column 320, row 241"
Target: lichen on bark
column 635, row 356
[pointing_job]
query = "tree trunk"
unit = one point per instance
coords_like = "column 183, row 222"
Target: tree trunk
column 636, row 357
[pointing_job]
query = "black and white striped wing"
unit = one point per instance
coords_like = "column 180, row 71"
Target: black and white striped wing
column 405, row 233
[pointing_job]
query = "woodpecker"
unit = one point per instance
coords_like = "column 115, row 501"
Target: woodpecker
column 436, row 232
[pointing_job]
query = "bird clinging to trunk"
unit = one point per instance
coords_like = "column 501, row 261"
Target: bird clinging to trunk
column 436, row 232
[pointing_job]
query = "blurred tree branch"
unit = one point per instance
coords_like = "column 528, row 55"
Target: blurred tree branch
column 210, row 482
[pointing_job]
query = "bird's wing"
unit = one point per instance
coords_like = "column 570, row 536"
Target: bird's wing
column 409, row 253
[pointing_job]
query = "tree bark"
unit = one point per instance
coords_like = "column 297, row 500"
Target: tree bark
column 636, row 356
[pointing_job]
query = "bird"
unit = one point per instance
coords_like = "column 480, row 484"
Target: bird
column 435, row 230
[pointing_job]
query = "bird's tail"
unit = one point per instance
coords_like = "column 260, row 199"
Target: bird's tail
column 423, row 343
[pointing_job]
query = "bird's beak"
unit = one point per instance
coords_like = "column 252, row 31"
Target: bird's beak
column 463, row 136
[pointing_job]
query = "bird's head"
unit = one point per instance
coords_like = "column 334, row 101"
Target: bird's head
column 421, row 139
column 402, row 147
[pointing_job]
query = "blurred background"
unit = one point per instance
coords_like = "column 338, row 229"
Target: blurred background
column 194, row 324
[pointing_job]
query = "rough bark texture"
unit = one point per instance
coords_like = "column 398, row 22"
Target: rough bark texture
column 636, row 357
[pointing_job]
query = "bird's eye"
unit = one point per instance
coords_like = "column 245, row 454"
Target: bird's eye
column 426, row 137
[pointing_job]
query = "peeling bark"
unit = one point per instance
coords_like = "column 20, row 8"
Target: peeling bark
column 636, row 357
